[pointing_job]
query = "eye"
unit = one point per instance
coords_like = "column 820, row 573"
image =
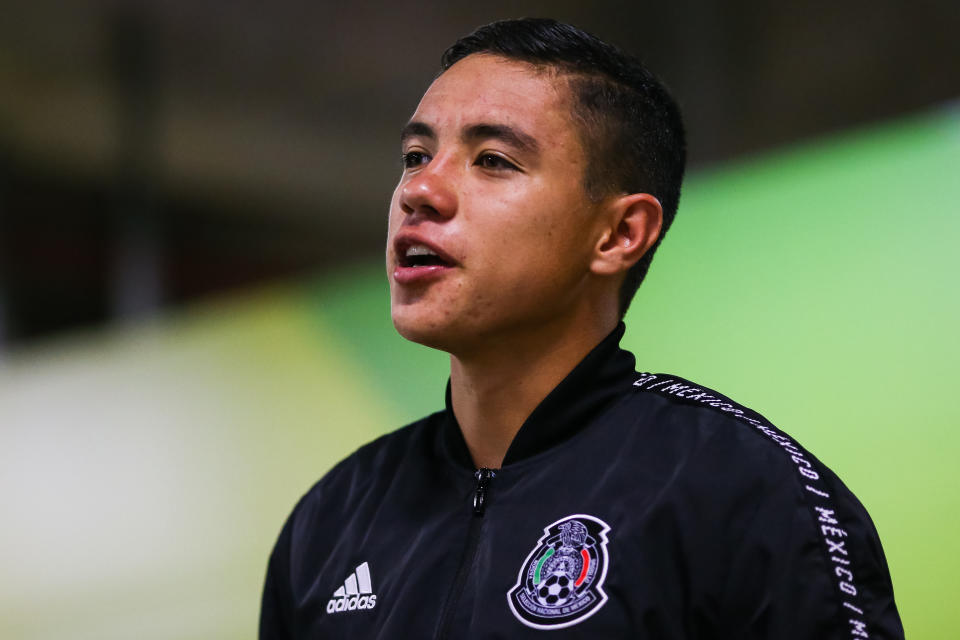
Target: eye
column 493, row 161
column 413, row 159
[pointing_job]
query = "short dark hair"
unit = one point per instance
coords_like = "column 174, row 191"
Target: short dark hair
column 631, row 127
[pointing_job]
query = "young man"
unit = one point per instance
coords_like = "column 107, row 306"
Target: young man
column 560, row 490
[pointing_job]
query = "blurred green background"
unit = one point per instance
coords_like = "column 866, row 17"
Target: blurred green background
column 147, row 469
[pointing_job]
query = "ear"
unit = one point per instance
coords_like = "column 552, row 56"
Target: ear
column 634, row 222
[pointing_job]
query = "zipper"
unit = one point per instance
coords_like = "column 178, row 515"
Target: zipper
column 483, row 476
column 480, row 499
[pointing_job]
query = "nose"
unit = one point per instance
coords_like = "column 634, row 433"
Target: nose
column 430, row 191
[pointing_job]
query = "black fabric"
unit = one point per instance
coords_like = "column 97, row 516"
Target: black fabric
column 719, row 526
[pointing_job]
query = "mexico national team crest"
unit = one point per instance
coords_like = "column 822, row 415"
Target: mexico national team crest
column 561, row 581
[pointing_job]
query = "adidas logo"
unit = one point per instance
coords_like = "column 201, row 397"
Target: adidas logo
column 356, row 592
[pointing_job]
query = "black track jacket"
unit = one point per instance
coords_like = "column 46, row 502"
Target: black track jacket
column 629, row 505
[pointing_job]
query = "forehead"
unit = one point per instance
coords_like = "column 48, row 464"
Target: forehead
column 487, row 88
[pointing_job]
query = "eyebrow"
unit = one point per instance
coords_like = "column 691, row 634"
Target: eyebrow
column 415, row 129
column 516, row 138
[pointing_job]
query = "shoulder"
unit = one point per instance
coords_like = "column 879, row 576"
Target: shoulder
column 373, row 464
column 316, row 520
column 775, row 498
column 734, row 452
column 707, row 417
column 734, row 441
column 323, row 513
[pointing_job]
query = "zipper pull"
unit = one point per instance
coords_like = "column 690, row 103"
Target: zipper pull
column 483, row 476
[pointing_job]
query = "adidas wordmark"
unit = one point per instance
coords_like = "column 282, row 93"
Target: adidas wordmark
column 356, row 592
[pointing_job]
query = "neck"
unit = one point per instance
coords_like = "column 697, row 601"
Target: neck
column 496, row 387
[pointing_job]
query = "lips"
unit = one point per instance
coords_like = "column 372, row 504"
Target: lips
column 419, row 260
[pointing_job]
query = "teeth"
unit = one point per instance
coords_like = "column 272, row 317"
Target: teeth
column 419, row 250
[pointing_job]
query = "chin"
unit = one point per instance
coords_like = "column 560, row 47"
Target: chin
column 423, row 329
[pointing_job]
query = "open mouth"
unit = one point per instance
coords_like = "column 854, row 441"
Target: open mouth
column 418, row 255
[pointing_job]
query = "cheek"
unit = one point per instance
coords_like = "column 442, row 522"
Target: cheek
column 394, row 204
column 547, row 232
column 394, row 217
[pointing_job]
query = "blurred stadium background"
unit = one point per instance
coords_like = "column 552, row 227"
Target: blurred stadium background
column 193, row 315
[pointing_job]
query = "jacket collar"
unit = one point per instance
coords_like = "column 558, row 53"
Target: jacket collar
column 598, row 379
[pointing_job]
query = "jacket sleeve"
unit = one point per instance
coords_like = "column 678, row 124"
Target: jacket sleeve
column 275, row 607
column 809, row 565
